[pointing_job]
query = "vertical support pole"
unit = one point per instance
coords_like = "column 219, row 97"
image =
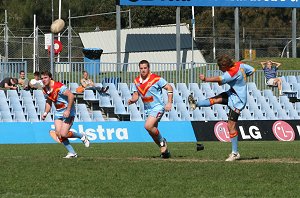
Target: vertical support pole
column 6, row 38
column 118, row 27
column 34, row 43
column 294, row 32
column 178, row 47
column 214, row 33
column 236, row 33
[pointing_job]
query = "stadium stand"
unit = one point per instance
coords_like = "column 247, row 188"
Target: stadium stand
column 112, row 106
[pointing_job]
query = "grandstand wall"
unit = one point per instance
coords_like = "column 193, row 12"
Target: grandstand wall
column 98, row 132
column 112, row 132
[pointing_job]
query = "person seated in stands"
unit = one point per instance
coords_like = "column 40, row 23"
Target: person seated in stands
column 9, row 83
column 270, row 69
column 23, row 82
column 36, row 82
column 88, row 84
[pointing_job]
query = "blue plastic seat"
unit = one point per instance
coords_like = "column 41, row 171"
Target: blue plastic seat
column 19, row 116
column 38, row 95
column 104, row 101
column 291, row 79
column 6, row 116
column 198, row 115
column 12, row 93
column 182, row 88
column 2, row 94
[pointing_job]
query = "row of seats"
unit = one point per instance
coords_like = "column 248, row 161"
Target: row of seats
column 24, row 106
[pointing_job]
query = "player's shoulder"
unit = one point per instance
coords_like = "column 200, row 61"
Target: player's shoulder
column 58, row 84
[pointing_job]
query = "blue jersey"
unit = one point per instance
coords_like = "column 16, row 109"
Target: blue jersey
column 150, row 90
column 235, row 77
column 270, row 72
column 56, row 95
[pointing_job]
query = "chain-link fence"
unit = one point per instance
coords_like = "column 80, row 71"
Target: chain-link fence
column 256, row 45
column 264, row 47
column 22, row 49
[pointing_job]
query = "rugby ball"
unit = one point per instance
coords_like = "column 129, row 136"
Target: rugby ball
column 57, row 26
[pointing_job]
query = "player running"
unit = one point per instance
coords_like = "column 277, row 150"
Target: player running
column 149, row 87
column 236, row 97
column 63, row 99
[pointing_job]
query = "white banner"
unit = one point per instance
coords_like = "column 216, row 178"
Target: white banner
column 48, row 38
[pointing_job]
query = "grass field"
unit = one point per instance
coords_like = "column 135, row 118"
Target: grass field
column 267, row 169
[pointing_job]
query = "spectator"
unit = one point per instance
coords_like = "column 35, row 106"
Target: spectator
column 23, row 82
column 88, row 84
column 9, row 83
column 36, row 82
column 270, row 68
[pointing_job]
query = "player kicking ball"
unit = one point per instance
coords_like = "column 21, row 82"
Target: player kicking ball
column 149, row 87
column 235, row 98
column 63, row 99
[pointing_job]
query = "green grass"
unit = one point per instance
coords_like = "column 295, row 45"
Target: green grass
column 287, row 63
column 267, row 169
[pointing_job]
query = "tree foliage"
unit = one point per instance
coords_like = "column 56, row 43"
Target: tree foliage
column 20, row 16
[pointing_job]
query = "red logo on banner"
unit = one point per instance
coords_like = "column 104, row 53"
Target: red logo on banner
column 222, row 132
column 283, row 131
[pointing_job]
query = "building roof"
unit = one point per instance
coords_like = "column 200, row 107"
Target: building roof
column 156, row 44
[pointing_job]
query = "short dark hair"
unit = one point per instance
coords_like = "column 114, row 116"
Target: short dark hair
column 15, row 80
column 47, row 73
column 36, row 73
column 22, row 71
column 144, row 62
column 225, row 61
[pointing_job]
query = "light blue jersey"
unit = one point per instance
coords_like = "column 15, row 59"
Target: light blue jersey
column 150, row 90
column 236, row 79
column 56, row 95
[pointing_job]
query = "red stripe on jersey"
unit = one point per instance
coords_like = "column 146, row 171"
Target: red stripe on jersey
column 233, row 70
column 144, row 87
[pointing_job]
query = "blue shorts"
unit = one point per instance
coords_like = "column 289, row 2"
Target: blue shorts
column 156, row 112
column 59, row 115
column 69, row 119
column 233, row 101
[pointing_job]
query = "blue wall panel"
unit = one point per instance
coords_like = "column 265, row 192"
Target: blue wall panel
column 26, row 132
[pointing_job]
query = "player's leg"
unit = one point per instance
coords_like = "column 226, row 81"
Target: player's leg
column 70, row 134
column 151, row 125
column 233, row 132
column 62, row 129
column 219, row 99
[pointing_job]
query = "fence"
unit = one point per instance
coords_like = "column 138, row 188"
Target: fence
column 187, row 73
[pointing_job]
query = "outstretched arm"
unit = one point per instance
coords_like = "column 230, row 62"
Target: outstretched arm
column 210, row 79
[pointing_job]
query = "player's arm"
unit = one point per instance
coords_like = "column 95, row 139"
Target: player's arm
column 48, row 106
column 210, row 79
column 169, row 88
column 134, row 98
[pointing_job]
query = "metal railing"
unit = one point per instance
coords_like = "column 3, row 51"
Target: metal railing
column 99, row 72
column 12, row 69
